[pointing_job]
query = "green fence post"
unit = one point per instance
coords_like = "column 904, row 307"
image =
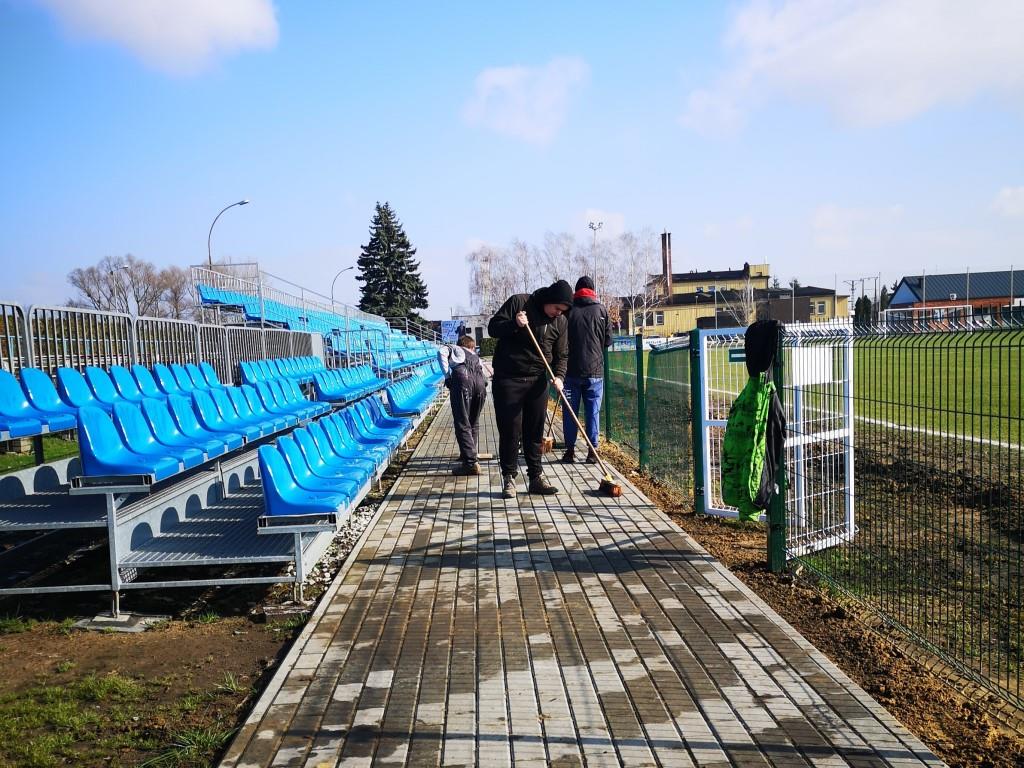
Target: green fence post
column 641, row 403
column 777, row 506
column 696, row 414
column 607, row 396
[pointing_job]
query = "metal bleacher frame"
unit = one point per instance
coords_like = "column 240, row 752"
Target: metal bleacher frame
column 135, row 517
column 210, row 516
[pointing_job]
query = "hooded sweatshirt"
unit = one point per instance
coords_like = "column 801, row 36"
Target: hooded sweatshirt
column 515, row 355
column 590, row 332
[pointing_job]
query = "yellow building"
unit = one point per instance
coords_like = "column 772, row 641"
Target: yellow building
column 677, row 302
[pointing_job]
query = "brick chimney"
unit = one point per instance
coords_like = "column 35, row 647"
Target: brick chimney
column 666, row 261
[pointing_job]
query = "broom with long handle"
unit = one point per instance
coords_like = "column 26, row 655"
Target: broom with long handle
column 548, row 443
column 608, row 485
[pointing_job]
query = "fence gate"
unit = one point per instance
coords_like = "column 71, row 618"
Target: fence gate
column 817, row 394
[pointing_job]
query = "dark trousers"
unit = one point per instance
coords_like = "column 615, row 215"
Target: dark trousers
column 519, row 407
column 468, row 394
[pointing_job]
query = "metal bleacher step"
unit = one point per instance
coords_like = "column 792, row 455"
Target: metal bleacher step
column 214, row 536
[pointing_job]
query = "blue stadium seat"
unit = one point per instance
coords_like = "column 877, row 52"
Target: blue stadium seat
column 147, row 384
column 126, row 384
column 259, row 409
column 102, row 386
column 185, row 417
column 104, row 453
column 232, row 416
column 328, row 436
column 16, row 409
column 211, row 418
column 306, row 479
column 184, row 381
column 166, row 380
column 210, row 374
column 137, row 434
column 198, row 378
column 75, row 391
column 158, row 414
column 323, row 459
column 42, row 394
column 267, row 422
column 283, row 497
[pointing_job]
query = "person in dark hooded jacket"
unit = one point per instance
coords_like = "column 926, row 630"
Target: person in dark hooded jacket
column 590, row 331
column 520, row 385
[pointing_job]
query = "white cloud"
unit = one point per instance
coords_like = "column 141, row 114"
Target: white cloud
column 181, row 37
column 528, row 103
column 612, row 224
column 1010, row 202
column 869, row 61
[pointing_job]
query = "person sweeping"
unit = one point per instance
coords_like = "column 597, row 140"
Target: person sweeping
column 465, row 377
column 520, row 384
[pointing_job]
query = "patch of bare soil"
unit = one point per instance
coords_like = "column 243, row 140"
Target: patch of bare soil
column 170, row 696
column 954, row 725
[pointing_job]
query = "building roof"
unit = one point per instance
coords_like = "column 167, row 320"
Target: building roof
column 965, row 285
column 802, row 291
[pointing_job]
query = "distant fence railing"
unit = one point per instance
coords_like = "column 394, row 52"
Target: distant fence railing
column 52, row 337
column 904, row 482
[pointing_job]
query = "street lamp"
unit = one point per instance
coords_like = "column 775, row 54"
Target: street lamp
column 209, row 252
column 346, row 269
column 595, row 226
column 114, row 273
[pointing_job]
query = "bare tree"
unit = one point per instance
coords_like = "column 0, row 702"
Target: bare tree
column 179, row 294
column 491, row 280
column 133, row 286
column 558, row 259
column 741, row 304
column 522, row 261
column 632, row 277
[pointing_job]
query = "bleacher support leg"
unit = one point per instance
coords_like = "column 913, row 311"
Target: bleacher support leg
column 113, row 502
column 37, row 448
column 300, row 573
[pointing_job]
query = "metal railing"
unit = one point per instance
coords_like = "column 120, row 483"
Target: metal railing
column 414, row 329
column 14, row 350
column 53, row 337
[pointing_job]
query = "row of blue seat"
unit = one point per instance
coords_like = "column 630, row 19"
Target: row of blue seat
column 346, row 384
column 36, row 406
column 412, row 396
column 301, row 369
column 162, row 437
column 319, row 469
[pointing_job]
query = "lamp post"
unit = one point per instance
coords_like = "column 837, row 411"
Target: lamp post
column 209, row 252
column 594, row 226
column 346, row 269
column 115, row 273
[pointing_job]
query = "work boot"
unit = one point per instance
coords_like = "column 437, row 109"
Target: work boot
column 540, row 485
column 466, row 469
column 591, row 456
column 569, row 456
column 508, row 491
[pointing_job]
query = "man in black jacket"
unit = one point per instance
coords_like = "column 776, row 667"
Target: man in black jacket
column 590, row 332
column 520, row 385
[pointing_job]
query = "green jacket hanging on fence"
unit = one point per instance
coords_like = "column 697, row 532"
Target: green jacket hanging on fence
column 755, row 432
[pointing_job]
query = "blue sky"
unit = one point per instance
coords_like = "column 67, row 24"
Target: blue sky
column 834, row 139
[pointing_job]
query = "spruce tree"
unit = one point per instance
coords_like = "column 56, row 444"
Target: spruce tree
column 392, row 286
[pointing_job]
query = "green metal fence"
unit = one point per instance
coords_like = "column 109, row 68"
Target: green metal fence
column 620, row 395
column 938, row 551
column 647, row 406
column 934, row 546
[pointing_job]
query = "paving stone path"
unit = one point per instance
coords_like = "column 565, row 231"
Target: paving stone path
column 551, row 631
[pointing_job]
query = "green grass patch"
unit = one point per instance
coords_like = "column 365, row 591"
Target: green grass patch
column 195, row 746
column 49, row 725
column 15, row 625
column 54, row 449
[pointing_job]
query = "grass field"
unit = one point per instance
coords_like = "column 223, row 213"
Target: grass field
column 54, row 448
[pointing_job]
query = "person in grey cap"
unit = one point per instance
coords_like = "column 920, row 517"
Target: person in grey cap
column 590, row 332
column 520, row 386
